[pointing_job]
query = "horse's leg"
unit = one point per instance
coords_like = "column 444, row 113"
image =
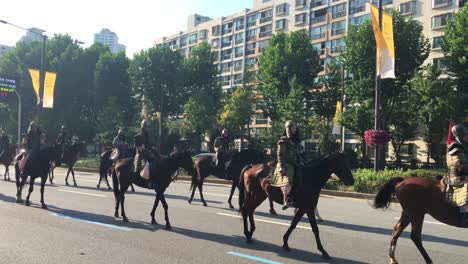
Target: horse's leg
column 66, row 178
column 116, row 196
column 315, row 229
column 233, row 189
column 155, row 205
column 416, row 229
column 107, row 181
column 18, row 184
column 272, row 209
column 50, row 175
column 200, row 189
column 293, row 225
column 166, row 214
column 123, row 189
column 397, row 230
column 131, row 187
column 245, row 216
column 43, row 182
column 195, row 186
column 73, row 175
column 31, row 188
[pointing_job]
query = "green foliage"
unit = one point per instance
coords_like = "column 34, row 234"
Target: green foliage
column 88, row 163
column 237, row 111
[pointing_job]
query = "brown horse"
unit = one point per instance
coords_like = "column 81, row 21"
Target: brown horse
column 204, row 168
column 106, row 166
column 255, row 188
column 70, row 156
column 7, row 160
column 417, row 196
column 122, row 176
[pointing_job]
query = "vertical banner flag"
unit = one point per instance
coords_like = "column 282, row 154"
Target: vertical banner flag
column 35, row 81
column 336, row 119
column 49, row 87
column 384, row 43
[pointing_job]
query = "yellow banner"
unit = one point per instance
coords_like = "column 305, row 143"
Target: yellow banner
column 49, row 87
column 35, row 75
column 384, row 43
column 336, row 119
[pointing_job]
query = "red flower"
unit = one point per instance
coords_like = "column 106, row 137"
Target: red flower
column 375, row 137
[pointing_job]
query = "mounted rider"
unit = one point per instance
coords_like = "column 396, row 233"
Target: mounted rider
column 32, row 143
column 145, row 150
column 222, row 149
column 63, row 141
column 4, row 143
column 120, row 146
column 457, row 163
column 287, row 174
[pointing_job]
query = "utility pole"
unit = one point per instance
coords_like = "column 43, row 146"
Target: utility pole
column 377, row 121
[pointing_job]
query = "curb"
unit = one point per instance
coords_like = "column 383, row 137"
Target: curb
column 354, row 195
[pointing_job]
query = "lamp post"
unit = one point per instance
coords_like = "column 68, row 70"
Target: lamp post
column 377, row 121
column 342, row 98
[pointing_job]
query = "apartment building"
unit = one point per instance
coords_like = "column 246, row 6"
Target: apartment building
column 110, row 39
column 239, row 39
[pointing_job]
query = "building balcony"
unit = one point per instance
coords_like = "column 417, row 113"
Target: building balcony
column 338, row 31
column 318, row 36
column 240, row 27
column 317, row 3
column 251, row 38
column 441, row 3
column 319, row 19
column 357, row 9
column 264, row 34
column 250, row 52
column 265, row 19
column 226, row 57
column 227, row 31
column 339, row 14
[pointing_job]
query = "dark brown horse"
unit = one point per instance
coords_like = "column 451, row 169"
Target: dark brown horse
column 160, row 172
column 204, row 168
column 37, row 167
column 7, row 160
column 70, row 156
column 255, row 188
column 106, row 167
column 417, row 196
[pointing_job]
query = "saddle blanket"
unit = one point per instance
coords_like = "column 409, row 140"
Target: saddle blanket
column 458, row 196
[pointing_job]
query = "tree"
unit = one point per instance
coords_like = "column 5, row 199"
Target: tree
column 288, row 56
column 454, row 45
column 237, row 111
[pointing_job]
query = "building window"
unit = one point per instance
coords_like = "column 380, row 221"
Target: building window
column 226, row 54
column 301, row 3
column 262, row 45
column 282, row 9
column 356, row 21
column 265, row 31
column 225, row 67
column 437, row 42
column 183, row 52
column 227, row 28
column 281, row 24
column 239, row 52
column 301, row 18
column 216, row 30
column 252, row 20
column 408, row 8
column 250, row 48
column 239, row 24
column 407, row 150
column 237, row 79
column 318, row 16
column 318, row 32
column 226, row 41
column 251, row 34
column 441, row 21
column 316, row 3
column 336, row 45
column 339, row 11
column 239, row 38
column 338, row 28
column 192, row 38
column 266, row 16
column 225, row 80
column 439, row 63
column 441, row 3
column 215, row 43
column 250, row 62
column 356, row 6
column 320, row 47
column 183, row 41
column 203, row 34
column 384, row 2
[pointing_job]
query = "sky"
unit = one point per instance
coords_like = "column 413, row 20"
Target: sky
column 137, row 22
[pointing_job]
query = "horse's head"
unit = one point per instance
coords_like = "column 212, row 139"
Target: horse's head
column 340, row 166
column 184, row 160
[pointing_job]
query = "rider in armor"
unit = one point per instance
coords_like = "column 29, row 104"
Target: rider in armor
column 4, row 143
column 120, row 143
column 221, row 148
column 145, row 150
column 32, row 143
column 457, row 162
column 63, row 141
column 287, row 174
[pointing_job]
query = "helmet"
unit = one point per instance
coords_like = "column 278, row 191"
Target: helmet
column 225, row 131
column 144, row 123
column 459, row 132
column 289, row 123
column 121, row 130
column 63, row 127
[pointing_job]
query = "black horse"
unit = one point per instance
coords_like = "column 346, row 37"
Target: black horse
column 254, row 188
column 37, row 167
column 106, row 166
column 122, row 177
column 204, row 168
column 71, row 155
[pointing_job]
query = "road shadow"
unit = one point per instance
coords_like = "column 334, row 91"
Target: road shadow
column 273, row 249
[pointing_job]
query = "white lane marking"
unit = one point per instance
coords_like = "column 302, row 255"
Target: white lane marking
column 266, row 221
column 92, row 222
column 429, row 222
column 83, row 193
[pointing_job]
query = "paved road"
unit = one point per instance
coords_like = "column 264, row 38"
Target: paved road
column 79, row 228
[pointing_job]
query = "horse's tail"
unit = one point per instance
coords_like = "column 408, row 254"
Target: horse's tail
column 384, row 196
column 241, row 187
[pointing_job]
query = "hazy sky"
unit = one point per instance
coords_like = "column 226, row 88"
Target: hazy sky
column 137, row 22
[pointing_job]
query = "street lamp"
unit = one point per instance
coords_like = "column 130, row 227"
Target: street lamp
column 41, row 74
column 342, row 98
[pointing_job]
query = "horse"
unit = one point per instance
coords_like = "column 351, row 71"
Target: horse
column 255, row 187
column 106, row 167
column 7, row 159
column 36, row 168
column 71, row 155
column 160, row 171
column 204, row 168
column 417, row 196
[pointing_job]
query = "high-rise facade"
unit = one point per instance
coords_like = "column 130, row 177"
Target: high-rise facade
column 33, row 34
column 110, row 39
column 4, row 49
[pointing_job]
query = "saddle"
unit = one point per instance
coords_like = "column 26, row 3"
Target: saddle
column 115, row 154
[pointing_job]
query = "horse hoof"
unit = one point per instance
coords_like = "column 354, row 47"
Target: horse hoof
column 27, row 203
column 286, row 248
column 75, row 185
column 231, row 206
column 189, row 201
column 116, row 215
column 204, row 204
column 168, row 227
column 393, row 262
column 249, row 240
column 97, row 186
column 153, row 222
column 67, row 184
column 19, row 200
column 273, row 212
column 109, row 188
column 125, row 219
column 326, row 256
column 44, row 206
